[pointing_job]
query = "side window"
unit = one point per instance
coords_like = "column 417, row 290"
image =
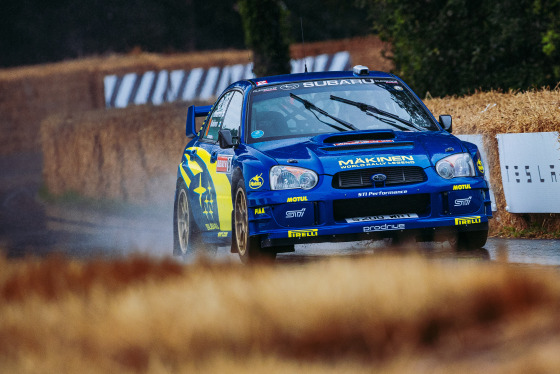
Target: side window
column 232, row 120
column 216, row 118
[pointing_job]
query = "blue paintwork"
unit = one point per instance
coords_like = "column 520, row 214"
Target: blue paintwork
column 268, row 209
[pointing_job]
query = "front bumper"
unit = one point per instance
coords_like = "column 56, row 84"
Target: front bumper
column 428, row 211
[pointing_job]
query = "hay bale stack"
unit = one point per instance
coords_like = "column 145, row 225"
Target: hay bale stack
column 513, row 112
column 26, row 100
column 128, row 154
column 30, row 94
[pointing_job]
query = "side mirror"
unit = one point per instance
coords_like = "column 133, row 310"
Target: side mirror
column 225, row 139
column 446, row 122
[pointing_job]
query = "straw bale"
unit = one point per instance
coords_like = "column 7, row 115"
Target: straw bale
column 127, row 154
column 492, row 113
column 29, row 94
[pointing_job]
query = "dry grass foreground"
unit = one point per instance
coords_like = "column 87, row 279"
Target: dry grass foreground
column 386, row 314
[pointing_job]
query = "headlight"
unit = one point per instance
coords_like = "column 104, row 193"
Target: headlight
column 289, row 177
column 458, row 165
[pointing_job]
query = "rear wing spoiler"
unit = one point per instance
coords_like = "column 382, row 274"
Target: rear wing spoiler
column 192, row 113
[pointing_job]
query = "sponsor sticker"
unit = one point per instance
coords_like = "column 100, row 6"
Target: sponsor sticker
column 259, row 210
column 260, row 83
column 382, row 193
column 223, row 164
column 295, row 213
column 223, row 234
column 382, row 217
column 459, row 187
column 480, row 166
column 257, row 134
column 467, row 220
column 256, row 182
column 354, row 142
column 266, row 89
column 361, row 162
column 340, row 82
column 385, row 227
column 302, row 233
column 212, row 226
column 463, row 202
column 296, row 199
column 289, row 86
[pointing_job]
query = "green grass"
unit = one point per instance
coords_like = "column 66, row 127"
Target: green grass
column 534, row 231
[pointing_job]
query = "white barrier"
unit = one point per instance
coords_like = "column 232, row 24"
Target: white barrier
column 530, row 166
column 158, row 87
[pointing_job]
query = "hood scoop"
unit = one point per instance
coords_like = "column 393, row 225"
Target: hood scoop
column 384, row 139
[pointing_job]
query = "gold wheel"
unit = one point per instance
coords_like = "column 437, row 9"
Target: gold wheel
column 183, row 221
column 241, row 223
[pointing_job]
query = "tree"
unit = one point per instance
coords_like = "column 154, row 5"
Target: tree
column 266, row 33
column 456, row 46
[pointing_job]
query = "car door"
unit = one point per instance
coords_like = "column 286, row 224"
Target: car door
column 212, row 185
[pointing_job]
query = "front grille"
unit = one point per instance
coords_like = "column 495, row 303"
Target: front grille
column 396, row 175
column 384, row 205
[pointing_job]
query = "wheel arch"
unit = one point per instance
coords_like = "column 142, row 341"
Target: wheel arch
column 236, row 175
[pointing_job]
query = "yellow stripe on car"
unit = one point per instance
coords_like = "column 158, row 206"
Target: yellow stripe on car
column 222, row 186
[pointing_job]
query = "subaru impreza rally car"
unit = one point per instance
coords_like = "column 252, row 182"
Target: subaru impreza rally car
column 322, row 157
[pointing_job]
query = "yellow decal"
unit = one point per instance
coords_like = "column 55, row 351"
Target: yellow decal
column 185, row 176
column 467, row 220
column 480, row 166
column 259, row 210
column 222, row 234
column 296, row 199
column 222, row 186
column 256, row 182
column 461, row 187
column 212, row 226
column 302, row 233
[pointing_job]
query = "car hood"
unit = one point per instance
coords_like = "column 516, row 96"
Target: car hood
column 331, row 153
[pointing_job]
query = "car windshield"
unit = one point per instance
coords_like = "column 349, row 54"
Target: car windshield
column 325, row 106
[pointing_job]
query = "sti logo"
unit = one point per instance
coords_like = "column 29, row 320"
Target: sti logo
column 463, row 202
column 295, row 213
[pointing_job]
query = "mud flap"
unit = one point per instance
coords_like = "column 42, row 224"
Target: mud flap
column 233, row 248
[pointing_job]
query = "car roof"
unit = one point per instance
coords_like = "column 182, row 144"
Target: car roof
column 299, row 77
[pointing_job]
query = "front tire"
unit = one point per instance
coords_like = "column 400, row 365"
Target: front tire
column 249, row 248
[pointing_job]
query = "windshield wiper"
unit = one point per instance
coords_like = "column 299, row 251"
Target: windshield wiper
column 309, row 106
column 370, row 109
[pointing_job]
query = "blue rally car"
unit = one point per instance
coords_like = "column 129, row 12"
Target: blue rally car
column 323, row 157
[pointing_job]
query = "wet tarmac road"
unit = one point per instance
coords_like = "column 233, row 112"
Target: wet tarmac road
column 31, row 227
column 525, row 251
